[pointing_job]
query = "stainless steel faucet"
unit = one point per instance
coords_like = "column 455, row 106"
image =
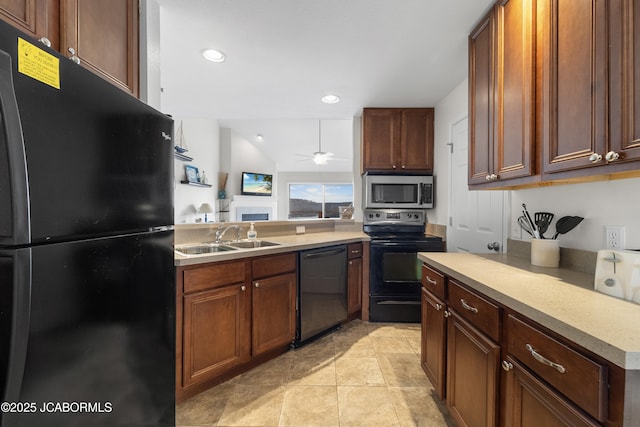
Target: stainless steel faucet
column 221, row 230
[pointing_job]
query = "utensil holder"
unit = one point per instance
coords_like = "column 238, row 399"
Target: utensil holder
column 545, row 252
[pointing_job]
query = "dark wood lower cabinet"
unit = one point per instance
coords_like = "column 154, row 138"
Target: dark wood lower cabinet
column 273, row 313
column 354, row 285
column 434, row 336
column 529, row 402
column 473, row 362
column 542, row 379
column 209, row 351
column 231, row 316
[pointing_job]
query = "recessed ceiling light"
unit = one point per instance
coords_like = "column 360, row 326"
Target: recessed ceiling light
column 213, row 55
column 330, row 99
column 259, row 137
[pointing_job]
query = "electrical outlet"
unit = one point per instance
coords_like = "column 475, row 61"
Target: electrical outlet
column 614, row 236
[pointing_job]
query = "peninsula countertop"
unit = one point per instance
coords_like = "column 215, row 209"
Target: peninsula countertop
column 562, row 300
column 286, row 243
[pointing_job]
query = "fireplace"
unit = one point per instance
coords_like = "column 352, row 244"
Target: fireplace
column 253, row 213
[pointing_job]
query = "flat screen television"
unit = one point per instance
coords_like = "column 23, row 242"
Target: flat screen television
column 256, row 184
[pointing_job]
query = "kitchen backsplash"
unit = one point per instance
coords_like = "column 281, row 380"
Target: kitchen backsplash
column 574, row 259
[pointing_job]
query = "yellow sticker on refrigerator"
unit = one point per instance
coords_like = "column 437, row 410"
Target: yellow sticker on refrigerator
column 38, row 64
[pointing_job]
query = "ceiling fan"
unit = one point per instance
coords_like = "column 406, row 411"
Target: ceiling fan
column 319, row 157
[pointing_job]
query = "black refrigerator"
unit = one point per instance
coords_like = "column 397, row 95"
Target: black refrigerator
column 87, row 283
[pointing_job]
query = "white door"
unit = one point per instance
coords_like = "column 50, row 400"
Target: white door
column 476, row 218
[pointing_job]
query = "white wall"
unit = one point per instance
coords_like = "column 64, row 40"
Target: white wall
column 150, row 53
column 357, row 178
column 202, row 138
column 238, row 155
column 600, row 203
column 448, row 111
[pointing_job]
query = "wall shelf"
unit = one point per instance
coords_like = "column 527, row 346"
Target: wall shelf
column 197, row 184
column 182, row 157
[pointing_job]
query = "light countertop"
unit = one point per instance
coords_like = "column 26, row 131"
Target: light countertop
column 559, row 299
column 287, row 243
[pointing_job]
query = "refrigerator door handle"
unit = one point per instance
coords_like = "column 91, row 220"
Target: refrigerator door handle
column 21, row 315
column 15, row 197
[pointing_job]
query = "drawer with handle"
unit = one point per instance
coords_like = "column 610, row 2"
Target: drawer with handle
column 581, row 379
column 354, row 250
column 433, row 281
column 480, row 312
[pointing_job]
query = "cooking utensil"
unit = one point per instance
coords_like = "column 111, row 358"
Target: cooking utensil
column 524, row 224
column 533, row 225
column 566, row 224
column 543, row 220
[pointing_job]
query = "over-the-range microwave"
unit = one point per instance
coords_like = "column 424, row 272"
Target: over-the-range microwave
column 398, row 191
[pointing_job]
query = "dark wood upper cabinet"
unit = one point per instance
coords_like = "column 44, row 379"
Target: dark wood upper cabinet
column 573, row 83
column 397, row 140
column 101, row 35
column 481, row 100
column 38, row 18
column 624, row 82
column 502, row 95
column 590, row 105
column 553, row 92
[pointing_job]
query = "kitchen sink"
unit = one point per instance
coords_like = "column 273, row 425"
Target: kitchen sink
column 208, row 248
column 249, row 244
column 203, row 249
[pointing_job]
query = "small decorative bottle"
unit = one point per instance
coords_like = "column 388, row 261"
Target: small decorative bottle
column 203, row 178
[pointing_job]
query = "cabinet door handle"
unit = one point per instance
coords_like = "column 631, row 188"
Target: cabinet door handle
column 243, row 288
column 394, row 166
column 612, row 156
column 431, row 281
column 468, row 307
column 355, row 252
column 595, row 158
column 73, row 56
column 447, row 313
column 257, row 284
column 350, row 262
column 507, row 366
column 540, row 358
column 438, row 307
column 45, row 41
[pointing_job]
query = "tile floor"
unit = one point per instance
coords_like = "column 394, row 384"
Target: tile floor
column 365, row 374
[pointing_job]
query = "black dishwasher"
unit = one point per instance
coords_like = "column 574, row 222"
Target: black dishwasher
column 322, row 292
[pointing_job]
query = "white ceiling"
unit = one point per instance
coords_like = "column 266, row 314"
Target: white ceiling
column 284, row 55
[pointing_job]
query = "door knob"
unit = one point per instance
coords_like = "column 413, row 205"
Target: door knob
column 495, row 246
